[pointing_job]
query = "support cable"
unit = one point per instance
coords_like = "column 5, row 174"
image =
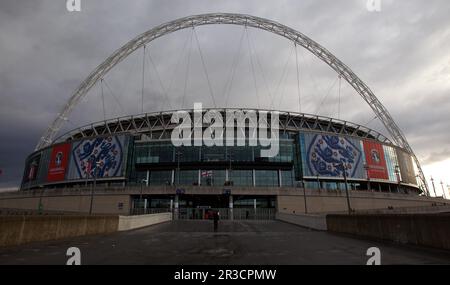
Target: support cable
column 339, row 98
column 282, row 77
column 122, row 109
column 187, row 70
column 326, row 95
column 204, row 69
column 312, row 79
column 229, row 83
column 298, row 79
column 370, row 121
column 103, row 99
column 263, row 75
column 252, row 68
column 163, row 89
column 133, row 71
column 143, row 80
column 188, row 38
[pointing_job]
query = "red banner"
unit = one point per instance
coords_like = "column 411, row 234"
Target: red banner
column 58, row 162
column 375, row 161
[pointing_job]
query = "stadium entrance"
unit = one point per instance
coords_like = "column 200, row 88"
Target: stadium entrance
column 202, row 207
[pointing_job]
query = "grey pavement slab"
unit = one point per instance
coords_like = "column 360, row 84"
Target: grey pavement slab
column 236, row 242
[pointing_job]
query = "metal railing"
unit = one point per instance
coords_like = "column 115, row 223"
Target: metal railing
column 148, row 211
column 227, row 214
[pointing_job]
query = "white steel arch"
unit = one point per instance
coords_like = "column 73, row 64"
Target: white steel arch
column 241, row 20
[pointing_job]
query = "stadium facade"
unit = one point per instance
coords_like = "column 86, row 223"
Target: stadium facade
column 138, row 151
column 317, row 156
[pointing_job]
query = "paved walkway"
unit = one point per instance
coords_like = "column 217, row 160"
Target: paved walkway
column 238, row 242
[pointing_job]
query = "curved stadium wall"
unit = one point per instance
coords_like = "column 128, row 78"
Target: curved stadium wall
column 138, row 149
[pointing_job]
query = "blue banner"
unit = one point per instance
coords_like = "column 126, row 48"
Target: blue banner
column 328, row 156
column 106, row 155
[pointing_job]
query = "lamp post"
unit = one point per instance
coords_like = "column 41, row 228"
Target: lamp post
column 443, row 191
column 178, row 153
column 140, row 196
column 318, row 182
column 367, row 168
column 304, row 196
column 419, row 184
column 434, row 189
column 97, row 164
column 344, row 171
column 230, row 157
column 397, row 174
column 40, row 206
column 32, row 173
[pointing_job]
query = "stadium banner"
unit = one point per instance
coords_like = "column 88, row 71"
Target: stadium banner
column 59, row 161
column 406, row 167
column 106, row 155
column 390, row 155
column 375, row 160
column 32, row 167
column 323, row 155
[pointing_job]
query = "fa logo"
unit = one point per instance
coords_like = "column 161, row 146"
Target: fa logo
column 375, row 256
column 75, row 256
column 73, row 5
column 373, row 5
column 375, row 156
column 58, row 159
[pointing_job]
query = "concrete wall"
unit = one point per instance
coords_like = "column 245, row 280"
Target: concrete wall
column 289, row 200
column 316, row 222
column 69, row 201
column 133, row 222
column 15, row 230
column 335, row 201
column 409, row 210
column 431, row 230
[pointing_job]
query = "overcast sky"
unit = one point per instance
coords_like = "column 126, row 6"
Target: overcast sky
column 401, row 52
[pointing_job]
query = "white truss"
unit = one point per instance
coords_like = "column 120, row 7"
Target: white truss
column 157, row 125
column 241, row 20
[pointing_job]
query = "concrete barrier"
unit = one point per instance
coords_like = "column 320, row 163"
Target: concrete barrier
column 133, row 222
column 316, row 222
column 15, row 230
column 410, row 210
column 431, row 230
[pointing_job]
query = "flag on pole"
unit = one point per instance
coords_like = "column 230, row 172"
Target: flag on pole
column 207, row 173
column 88, row 168
column 31, row 173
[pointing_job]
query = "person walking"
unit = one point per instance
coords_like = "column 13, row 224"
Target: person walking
column 216, row 220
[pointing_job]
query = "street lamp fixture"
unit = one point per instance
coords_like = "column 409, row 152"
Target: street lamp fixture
column 434, row 189
column 140, row 196
column 397, row 174
column 97, row 165
column 367, row 168
column 318, row 182
column 304, row 196
column 178, row 153
column 344, row 171
column 443, row 191
column 40, row 205
column 230, row 157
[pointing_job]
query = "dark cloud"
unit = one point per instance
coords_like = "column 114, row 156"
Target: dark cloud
column 437, row 156
column 400, row 52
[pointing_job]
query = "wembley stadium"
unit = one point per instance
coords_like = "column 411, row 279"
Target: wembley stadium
column 130, row 163
column 138, row 151
column 139, row 148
